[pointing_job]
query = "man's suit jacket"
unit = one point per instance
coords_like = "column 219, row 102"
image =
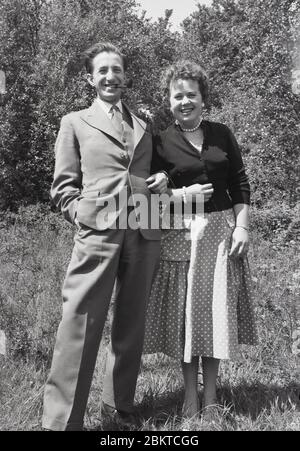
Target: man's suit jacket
column 90, row 166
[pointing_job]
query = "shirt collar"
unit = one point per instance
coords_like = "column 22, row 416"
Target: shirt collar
column 106, row 106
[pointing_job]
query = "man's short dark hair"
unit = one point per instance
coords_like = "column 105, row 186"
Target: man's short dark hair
column 101, row 47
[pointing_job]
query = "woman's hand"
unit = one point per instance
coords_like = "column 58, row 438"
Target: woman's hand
column 205, row 190
column 240, row 243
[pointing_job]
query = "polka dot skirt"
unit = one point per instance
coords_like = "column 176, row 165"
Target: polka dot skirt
column 201, row 300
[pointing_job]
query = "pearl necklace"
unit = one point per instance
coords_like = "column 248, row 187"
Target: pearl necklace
column 190, row 129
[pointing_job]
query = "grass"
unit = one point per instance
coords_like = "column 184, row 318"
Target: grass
column 260, row 392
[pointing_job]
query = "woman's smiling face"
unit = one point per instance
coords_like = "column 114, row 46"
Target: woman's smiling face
column 186, row 102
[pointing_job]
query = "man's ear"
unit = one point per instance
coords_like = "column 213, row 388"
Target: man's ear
column 90, row 80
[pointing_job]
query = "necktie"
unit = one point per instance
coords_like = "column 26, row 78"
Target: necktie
column 125, row 135
column 116, row 119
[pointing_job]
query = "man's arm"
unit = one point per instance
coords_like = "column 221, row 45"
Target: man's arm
column 158, row 181
column 66, row 186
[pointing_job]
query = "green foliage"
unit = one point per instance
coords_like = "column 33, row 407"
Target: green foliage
column 248, row 46
column 277, row 222
column 19, row 28
column 34, row 247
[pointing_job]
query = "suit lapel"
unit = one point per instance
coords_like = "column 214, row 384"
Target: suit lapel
column 96, row 118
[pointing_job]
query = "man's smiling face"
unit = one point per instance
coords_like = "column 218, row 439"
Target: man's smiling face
column 107, row 76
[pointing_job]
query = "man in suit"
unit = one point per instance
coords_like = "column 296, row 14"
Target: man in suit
column 103, row 154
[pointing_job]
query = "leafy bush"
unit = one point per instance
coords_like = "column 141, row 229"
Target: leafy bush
column 277, row 222
column 41, row 55
column 249, row 48
column 35, row 250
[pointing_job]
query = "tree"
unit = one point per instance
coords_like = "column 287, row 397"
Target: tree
column 46, row 78
column 247, row 47
column 19, row 35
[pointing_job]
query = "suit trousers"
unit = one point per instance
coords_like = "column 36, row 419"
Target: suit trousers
column 99, row 259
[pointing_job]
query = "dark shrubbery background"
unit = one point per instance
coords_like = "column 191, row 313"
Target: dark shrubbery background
column 249, row 48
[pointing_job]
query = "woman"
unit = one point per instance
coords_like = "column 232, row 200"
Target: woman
column 201, row 298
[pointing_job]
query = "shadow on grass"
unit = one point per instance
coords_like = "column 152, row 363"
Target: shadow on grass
column 253, row 399
column 244, row 399
column 154, row 411
column 249, row 400
column 161, row 409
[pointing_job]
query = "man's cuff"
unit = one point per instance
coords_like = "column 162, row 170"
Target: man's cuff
column 166, row 174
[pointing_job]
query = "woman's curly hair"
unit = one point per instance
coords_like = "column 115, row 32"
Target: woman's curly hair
column 186, row 70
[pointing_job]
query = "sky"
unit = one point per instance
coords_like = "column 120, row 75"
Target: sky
column 181, row 8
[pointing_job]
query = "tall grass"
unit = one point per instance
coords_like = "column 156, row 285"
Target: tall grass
column 259, row 392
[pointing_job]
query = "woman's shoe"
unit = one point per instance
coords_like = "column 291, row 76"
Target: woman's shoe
column 216, row 413
column 212, row 413
column 191, row 409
